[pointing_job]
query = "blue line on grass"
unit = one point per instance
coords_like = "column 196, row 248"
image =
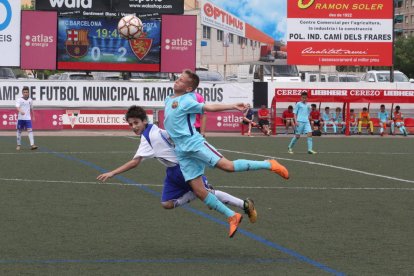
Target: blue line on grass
column 195, row 211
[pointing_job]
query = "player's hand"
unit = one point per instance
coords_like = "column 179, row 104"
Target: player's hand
column 241, row 107
column 103, row 177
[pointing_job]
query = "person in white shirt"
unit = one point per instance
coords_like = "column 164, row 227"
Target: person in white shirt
column 156, row 143
column 24, row 107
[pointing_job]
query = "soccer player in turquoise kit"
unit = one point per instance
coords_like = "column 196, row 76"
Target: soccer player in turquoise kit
column 155, row 143
column 384, row 120
column 193, row 151
column 301, row 113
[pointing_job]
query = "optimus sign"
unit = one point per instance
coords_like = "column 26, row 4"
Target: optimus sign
column 337, row 32
column 220, row 19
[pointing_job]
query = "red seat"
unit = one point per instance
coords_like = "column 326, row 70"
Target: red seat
column 409, row 122
column 375, row 122
column 279, row 121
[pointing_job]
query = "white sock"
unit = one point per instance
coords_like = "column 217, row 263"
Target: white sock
column 184, row 199
column 19, row 137
column 229, row 199
column 31, row 137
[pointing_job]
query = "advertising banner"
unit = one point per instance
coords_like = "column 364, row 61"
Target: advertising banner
column 213, row 16
column 178, row 42
column 10, row 33
column 45, row 119
column 115, row 94
column 111, row 7
column 336, row 32
column 95, row 45
column 216, row 121
column 97, row 119
column 346, row 95
column 59, row 119
column 38, row 49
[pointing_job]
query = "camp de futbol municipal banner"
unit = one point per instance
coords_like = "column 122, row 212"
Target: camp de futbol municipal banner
column 95, row 45
column 337, row 32
column 91, row 94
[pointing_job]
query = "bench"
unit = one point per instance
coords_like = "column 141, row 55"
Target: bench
column 375, row 123
column 409, row 122
column 277, row 122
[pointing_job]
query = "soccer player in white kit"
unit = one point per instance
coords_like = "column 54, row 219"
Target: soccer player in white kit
column 24, row 107
column 156, row 143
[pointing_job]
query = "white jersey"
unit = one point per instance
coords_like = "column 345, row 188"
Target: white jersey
column 156, row 143
column 25, row 106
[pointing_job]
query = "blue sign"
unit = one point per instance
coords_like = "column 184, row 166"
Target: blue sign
column 6, row 21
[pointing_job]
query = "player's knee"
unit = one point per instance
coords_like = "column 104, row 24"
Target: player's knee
column 227, row 166
column 167, row 204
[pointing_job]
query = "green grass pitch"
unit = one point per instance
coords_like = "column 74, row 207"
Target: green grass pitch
column 349, row 210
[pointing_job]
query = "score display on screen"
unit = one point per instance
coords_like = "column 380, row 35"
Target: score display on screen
column 95, row 45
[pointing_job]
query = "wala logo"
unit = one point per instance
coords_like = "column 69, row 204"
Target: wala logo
column 178, row 44
column 71, row 4
column 39, row 40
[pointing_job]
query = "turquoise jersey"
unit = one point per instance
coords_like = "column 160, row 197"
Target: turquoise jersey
column 180, row 115
column 302, row 111
column 383, row 116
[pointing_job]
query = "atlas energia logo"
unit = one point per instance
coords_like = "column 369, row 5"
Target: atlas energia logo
column 304, row 4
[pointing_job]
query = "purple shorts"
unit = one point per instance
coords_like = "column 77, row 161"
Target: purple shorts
column 175, row 185
column 24, row 124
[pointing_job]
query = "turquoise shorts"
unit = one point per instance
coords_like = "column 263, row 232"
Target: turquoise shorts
column 193, row 163
column 303, row 128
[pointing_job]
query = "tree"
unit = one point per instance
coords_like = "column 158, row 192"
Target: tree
column 404, row 55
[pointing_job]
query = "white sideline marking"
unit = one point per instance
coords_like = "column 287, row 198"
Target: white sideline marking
column 66, row 152
column 227, row 187
column 366, row 153
column 323, row 165
column 118, row 152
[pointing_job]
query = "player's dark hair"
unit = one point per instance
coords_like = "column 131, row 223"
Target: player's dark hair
column 365, row 108
column 304, row 94
column 313, row 105
column 351, row 110
column 327, row 107
column 136, row 112
column 25, row 88
column 382, row 105
column 195, row 80
column 290, row 107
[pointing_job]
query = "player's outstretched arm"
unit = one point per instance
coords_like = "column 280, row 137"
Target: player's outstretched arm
column 224, row 107
column 125, row 167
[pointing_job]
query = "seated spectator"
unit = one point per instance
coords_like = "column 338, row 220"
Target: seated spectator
column 398, row 119
column 339, row 119
column 264, row 117
column 353, row 122
column 289, row 119
column 315, row 118
column 385, row 120
column 365, row 119
column 248, row 116
column 328, row 120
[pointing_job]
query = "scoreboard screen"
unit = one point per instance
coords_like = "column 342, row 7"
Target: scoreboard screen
column 94, row 44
